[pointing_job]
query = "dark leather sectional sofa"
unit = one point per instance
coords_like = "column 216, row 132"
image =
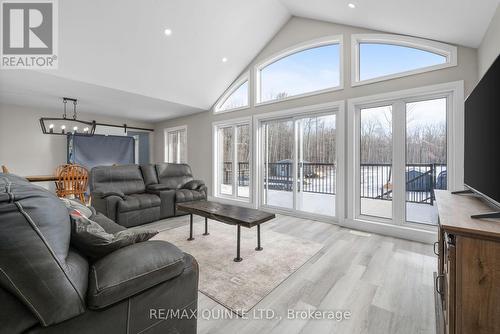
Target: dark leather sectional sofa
column 138, row 194
column 46, row 286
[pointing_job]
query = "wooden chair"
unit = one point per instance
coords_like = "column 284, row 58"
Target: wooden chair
column 58, row 182
column 72, row 180
column 5, row 170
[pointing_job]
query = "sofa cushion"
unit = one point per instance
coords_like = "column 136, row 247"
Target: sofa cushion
column 138, row 201
column 131, row 270
column 36, row 264
column 186, row 195
column 174, row 176
column 149, row 174
column 123, row 178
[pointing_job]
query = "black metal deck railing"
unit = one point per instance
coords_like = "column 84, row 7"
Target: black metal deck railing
column 376, row 179
column 421, row 181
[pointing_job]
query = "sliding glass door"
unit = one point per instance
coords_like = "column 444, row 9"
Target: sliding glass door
column 316, row 162
column 278, row 157
column 299, row 163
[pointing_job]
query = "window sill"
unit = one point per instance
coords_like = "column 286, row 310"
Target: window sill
column 230, row 110
column 294, row 97
column 402, row 74
column 231, row 200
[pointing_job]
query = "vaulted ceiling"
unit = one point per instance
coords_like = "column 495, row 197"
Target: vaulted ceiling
column 115, row 57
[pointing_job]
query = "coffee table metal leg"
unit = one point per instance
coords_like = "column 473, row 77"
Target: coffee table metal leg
column 258, row 248
column 206, row 227
column 238, row 258
column 190, row 227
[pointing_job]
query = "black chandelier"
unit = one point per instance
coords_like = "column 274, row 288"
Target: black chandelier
column 67, row 126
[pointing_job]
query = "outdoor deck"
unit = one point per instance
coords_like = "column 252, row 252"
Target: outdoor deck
column 324, row 204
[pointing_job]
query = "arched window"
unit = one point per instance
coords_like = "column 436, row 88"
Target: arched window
column 235, row 98
column 377, row 57
column 310, row 68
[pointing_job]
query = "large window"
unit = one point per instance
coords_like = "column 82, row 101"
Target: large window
column 382, row 57
column 176, row 145
column 235, row 98
column 312, row 68
column 406, row 146
column 232, row 159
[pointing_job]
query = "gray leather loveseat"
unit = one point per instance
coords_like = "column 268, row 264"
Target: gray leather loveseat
column 46, row 286
column 138, row 194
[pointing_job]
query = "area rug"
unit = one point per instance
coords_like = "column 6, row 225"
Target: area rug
column 239, row 286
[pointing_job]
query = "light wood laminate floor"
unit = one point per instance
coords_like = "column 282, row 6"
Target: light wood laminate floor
column 385, row 283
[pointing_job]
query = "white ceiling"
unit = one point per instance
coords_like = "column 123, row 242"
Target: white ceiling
column 39, row 90
column 114, row 56
column 462, row 22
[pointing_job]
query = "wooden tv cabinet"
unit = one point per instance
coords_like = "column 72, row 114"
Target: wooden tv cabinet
column 468, row 277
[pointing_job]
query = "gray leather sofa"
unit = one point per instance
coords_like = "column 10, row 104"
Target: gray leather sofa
column 138, row 194
column 46, row 286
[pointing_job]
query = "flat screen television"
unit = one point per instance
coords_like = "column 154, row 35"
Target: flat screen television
column 482, row 137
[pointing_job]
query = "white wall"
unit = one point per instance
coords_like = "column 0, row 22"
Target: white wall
column 490, row 46
column 25, row 150
column 298, row 30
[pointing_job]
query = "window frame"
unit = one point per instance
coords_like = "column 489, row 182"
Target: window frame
column 216, row 155
column 177, row 129
column 311, row 44
column 442, row 49
column 233, row 88
column 338, row 108
column 398, row 224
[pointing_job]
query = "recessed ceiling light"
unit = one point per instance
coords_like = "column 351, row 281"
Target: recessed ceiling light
column 168, row 32
column 224, row 59
column 351, row 5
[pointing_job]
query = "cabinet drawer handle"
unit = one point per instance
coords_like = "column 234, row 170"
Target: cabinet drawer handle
column 436, row 250
column 439, row 286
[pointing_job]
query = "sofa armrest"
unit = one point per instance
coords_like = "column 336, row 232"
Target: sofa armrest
column 131, row 270
column 204, row 190
column 106, row 205
column 193, row 185
column 157, row 187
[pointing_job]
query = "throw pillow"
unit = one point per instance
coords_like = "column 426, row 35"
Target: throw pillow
column 71, row 204
column 93, row 241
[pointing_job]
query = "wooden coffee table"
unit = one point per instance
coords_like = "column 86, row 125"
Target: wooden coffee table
column 228, row 214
